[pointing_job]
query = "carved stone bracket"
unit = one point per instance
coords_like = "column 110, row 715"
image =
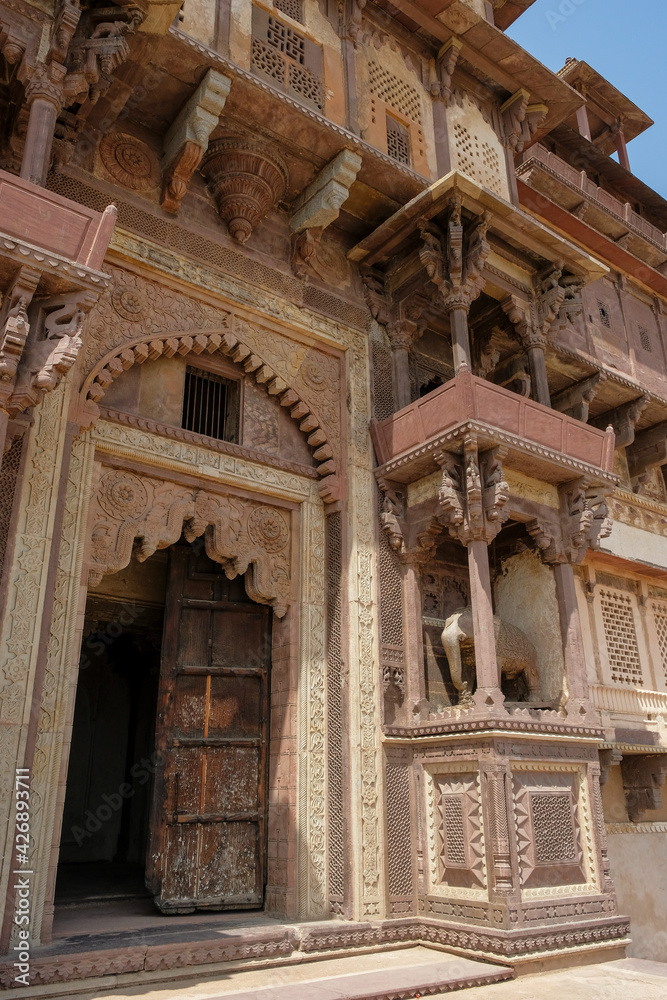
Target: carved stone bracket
column 98, row 48
column 585, row 517
column 186, row 140
column 643, row 778
column 608, row 759
column 576, row 399
column 473, row 494
column 15, row 329
column 393, row 513
column 521, row 120
column 648, row 451
column 247, row 179
column 319, row 205
column 132, row 513
column 442, row 69
column 454, row 261
column 623, row 420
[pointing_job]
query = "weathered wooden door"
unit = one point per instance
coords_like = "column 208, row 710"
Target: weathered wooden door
column 207, row 841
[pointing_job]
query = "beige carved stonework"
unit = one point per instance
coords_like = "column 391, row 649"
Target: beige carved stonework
column 555, row 830
column 238, row 534
column 456, row 847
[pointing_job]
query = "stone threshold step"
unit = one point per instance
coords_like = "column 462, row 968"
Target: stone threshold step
column 401, row 983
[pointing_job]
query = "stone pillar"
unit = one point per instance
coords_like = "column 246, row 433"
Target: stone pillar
column 415, row 679
column 496, row 785
column 44, row 94
column 458, row 322
column 402, row 334
column 538, row 374
column 486, row 662
column 582, row 122
column 570, row 623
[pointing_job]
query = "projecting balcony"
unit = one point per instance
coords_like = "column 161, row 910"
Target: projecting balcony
column 540, row 442
column 41, row 228
column 574, row 191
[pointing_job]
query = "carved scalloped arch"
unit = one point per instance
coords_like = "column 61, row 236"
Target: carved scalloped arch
column 150, row 349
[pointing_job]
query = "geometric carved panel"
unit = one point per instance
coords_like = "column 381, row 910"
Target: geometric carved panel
column 548, row 832
column 456, row 838
column 621, row 637
column 660, row 618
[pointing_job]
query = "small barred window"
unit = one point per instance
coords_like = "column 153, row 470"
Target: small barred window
column 211, row 405
column 398, row 141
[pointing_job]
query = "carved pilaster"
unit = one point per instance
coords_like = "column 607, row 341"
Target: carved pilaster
column 496, row 789
column 623, row 419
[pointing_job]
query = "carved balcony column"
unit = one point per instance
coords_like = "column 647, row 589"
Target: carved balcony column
column 473, row 498
column 415, row 545
column 44, row 94
column 403, row 324
column 454, row 261
column 563, row 541
column 522, row 315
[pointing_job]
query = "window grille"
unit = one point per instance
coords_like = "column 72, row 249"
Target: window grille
column 288, row 58
column 645, row 339
column 210, row 405
column 293, row 8
column 395, row 92
column 605, row 315
column 660, row 616
column 621, row 638
column 398, row 141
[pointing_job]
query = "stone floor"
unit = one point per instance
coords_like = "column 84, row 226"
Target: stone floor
column 380, row 975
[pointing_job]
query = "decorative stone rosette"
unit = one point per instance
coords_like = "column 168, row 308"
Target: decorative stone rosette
column 246, row 179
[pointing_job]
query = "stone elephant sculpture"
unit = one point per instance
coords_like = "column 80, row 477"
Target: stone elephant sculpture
column 516, row 653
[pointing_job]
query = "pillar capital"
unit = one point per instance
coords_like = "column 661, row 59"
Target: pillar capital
column 473, row 494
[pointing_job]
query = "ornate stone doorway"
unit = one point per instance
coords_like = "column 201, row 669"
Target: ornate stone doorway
column 167, row 781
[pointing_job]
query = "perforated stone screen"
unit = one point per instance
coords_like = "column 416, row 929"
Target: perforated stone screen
column 660, row 618
column 621, row 637
column 394, row 92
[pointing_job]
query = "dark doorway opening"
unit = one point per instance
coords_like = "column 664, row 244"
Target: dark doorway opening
column 112, row 760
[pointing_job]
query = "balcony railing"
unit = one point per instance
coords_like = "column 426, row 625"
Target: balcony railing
column 540, row 441
column 54, row 224
column 597, row 196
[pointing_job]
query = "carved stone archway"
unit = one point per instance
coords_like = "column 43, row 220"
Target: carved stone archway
column 140, row 514
column 125, row 355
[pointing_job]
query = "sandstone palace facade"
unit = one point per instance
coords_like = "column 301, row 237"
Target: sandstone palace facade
column 333, row 508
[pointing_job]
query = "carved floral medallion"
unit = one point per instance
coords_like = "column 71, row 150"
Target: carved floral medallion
column 129, row 161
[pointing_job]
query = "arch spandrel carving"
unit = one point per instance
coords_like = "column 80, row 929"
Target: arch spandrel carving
column 138, row 321
column 138, row 514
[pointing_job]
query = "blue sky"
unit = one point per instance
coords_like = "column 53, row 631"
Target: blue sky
column 624, row 40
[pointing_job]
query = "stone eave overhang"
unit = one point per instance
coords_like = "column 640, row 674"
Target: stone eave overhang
column 528, row 457
column 600, row 92
column 618, row 258
column 492, row 55
column 512, row 224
